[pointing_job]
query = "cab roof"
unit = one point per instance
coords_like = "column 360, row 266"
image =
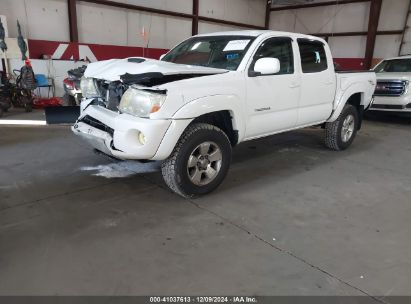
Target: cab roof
column 256, row 33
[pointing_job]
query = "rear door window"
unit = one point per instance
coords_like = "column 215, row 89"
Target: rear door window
column 313, row 57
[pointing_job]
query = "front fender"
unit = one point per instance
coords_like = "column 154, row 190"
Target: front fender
column 216, row 103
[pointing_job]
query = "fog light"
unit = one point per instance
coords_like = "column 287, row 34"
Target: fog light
column 142, row 138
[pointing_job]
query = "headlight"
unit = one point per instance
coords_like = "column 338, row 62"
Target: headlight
column 89, row 88
column 141, row 103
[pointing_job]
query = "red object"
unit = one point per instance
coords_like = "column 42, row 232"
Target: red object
column 350, row 63
column 78, row 51
column 69, row 84
column 40, row 103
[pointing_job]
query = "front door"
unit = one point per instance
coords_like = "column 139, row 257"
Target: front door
column 272, row 100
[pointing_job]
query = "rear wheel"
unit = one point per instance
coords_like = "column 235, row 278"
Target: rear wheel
column 199, row 162
column 340, row 134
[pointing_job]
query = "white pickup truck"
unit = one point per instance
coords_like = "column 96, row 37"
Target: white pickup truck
column 392, row 93
column 212, row 92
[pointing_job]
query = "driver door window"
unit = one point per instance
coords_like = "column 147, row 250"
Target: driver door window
column 280, row 48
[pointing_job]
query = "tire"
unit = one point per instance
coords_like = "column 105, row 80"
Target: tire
column 340, row 134
column 207, row 167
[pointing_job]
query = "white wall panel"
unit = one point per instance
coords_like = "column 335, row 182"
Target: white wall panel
column 348, row 47
column 393, row 13
column 101, row 24
column 387, row 46
column 180, row 6
column 208, row 27
column 115, row 26
column 165, row 32
column 283, row 21
column 244, row 11
column 325, row 19
column 40, row 19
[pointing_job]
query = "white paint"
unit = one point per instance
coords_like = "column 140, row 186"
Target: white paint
column 85, row 53
column 402, row 100
column 259, row 106
column 122, row 169
column 109, row 171
column 58, row 53
column 112, row 69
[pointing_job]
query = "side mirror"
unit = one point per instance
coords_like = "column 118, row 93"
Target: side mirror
column 266, row 66
column 162, row 56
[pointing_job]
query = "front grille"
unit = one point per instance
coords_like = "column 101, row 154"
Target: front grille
column 388, row 107
column 391, row 87
column 97, row 124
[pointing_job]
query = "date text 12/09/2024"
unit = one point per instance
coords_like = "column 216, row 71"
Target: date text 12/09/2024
column 199, row 299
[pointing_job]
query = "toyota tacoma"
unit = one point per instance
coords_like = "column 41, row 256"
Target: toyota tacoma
column 212, row 92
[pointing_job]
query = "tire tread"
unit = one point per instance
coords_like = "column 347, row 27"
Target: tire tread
column 168, row 167
column 332, row 130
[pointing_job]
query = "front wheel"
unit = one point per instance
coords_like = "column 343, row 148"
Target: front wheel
column 340, row 134
column 199, row 162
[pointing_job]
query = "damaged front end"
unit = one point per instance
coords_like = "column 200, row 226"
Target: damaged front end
column 109, row 93
column 120, row 97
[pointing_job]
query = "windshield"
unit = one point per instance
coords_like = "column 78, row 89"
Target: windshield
column 222, row 52
column 394, row 66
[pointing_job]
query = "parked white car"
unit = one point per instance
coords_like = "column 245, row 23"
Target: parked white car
column 212, row 92
column 392, row 91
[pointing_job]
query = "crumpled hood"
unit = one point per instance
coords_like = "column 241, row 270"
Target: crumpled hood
column 393, row 76
column 111, row 70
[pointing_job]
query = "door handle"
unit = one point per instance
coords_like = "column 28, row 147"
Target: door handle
column 328, row 82
column 294, row 85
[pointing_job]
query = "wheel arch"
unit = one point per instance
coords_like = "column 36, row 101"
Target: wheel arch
column 222, row 111
column 355, row 96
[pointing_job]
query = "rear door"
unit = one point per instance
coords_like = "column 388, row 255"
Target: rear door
column 318, row 82
column 272, row 100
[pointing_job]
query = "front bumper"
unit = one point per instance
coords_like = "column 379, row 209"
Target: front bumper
column 392, row 104
column 118, row 134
